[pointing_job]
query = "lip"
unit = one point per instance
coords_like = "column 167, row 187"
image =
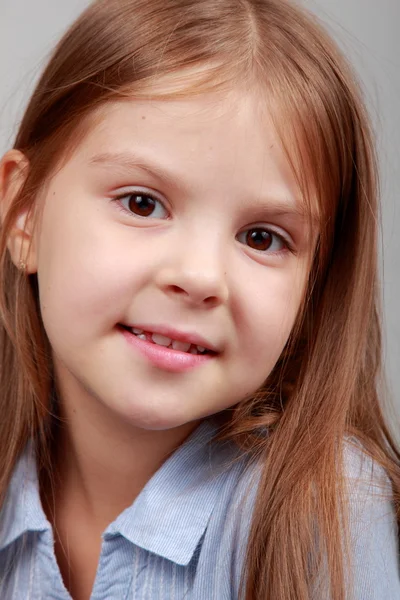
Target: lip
column 165, row 358
column 176, row 334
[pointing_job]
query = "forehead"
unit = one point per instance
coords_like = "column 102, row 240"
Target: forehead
column 233, row 134
column 191, row 118
column 231, row 130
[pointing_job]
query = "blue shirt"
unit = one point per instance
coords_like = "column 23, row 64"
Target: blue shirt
column 185, row 535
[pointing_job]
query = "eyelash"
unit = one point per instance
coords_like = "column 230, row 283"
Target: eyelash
column 286, row 243
column 144, row 194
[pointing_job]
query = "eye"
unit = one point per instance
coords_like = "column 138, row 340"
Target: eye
column 143, row 204
column 263, row 240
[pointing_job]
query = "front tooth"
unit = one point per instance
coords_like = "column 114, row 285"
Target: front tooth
column 193, row 350
column 141, row 336
column 137, row 331
column 182, row 346
column 161, row 340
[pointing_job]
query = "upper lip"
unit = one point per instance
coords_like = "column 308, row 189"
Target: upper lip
column 178, row 335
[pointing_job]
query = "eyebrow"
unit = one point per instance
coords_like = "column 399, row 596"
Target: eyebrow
column 126, row 161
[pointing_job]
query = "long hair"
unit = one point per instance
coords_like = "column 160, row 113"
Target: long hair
column 325, row 384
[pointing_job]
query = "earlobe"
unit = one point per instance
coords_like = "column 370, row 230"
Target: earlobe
column 14, row 169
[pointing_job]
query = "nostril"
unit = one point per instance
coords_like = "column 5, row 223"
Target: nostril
column 197, row 289
column 178, row 290
column 211, row 301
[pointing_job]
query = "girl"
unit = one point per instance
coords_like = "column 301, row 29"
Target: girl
column 190, row 339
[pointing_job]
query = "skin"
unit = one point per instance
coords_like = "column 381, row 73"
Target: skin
column 217, row 168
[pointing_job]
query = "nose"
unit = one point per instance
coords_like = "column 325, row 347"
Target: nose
column 195, row 274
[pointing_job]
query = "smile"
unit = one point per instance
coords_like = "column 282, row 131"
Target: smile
column 166, row 352
column 166, row 342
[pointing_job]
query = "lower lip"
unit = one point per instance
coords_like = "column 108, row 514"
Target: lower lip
column 166, row 358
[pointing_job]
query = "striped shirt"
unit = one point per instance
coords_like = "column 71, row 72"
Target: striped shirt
column 185, row 535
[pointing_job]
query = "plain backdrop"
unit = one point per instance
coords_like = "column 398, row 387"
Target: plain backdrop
column 368, row 34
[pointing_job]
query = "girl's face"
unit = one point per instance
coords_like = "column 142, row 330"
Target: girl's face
column 180, row 220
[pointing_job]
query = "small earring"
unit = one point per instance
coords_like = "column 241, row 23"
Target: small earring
column 22, row 265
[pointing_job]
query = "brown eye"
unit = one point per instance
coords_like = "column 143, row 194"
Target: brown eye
column 262, row 239
column 143, row 205
column 259, row 239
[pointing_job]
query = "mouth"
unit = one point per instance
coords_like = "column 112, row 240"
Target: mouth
column 179, row 345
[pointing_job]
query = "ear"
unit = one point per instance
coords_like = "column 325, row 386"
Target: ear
column 14, row 169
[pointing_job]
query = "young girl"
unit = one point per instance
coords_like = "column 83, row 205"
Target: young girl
column 190, row 340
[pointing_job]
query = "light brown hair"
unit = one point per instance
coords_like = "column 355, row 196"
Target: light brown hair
column 325, row 385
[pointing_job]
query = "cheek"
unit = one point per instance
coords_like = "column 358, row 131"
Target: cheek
column 82, row 270
column 269, row 311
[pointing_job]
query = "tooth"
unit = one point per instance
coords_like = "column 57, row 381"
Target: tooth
column 141, row 336
column 193, row 350
column 137, row 331
column 182, row 346
column 161, row 340
column 200, row 348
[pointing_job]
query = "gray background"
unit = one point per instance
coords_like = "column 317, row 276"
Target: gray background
column 368, row 33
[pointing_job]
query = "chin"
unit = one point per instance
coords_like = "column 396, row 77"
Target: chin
column 160, row 420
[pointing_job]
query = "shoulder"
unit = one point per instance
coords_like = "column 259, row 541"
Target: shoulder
column 368, row 489
column 359, row 466
column 373, row 542
column 372, row 526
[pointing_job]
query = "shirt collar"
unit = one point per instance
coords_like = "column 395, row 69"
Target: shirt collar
column 168, row 518
column 171, row 514
column 22, row 509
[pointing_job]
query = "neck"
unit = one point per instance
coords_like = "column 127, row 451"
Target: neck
column 100, row 463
